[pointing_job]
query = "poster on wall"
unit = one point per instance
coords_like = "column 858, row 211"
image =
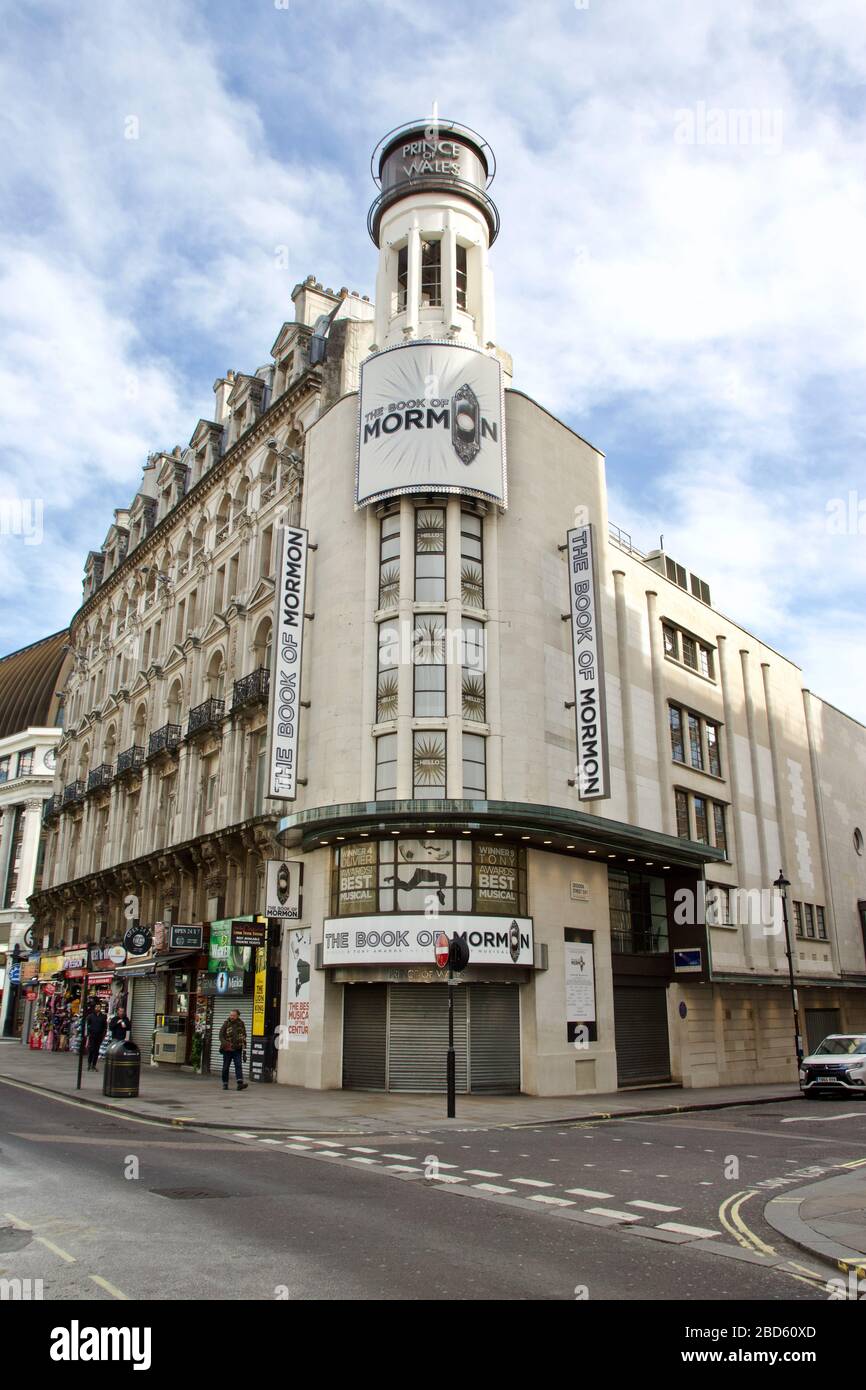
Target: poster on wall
column 298, row 985
column 284, row 880
column 285, row 691
column 406, row 938
column 590, row 711
column 579, row 982
column 431, row 419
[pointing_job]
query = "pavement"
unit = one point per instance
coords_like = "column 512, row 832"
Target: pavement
column 828, row 1219
column 185, row 1099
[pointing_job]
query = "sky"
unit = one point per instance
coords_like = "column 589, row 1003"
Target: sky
column 679, row 276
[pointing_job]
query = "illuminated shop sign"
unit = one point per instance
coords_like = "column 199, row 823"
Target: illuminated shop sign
column 409, row 939
column 285, row 701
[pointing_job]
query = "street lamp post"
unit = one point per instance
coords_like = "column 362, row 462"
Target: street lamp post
column 783, row 884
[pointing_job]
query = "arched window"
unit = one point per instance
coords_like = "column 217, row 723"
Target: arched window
column 216, row 676
column 139, row 728
column 175, row 700
column 109, row 752
column 262, row 643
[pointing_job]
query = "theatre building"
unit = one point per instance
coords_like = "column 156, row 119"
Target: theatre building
column 397, row 673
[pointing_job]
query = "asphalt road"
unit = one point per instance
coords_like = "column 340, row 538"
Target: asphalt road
column 106, row 1208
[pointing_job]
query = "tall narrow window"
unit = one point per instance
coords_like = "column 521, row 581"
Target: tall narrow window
column 14, row 860
column 428, row 662
column 265, row 553
column 705, row 656
column 386, row 767
column 690, row 652
column 471, row 561
column 810, row 920
column 25, row 762
column 696, row 751
column 430, row 555
column 389, row 561
column 683, row 830
column 713, row 755
column 474, row 658
column 474, row 767
column 431, row 274
column 677, row 750
column 428, row 765
column 719, row 829
column 821, row 923
column 402, row 277
column 798, row 918
column 702, row 833
column 671, row 641
column 461, row 276
column 387, row 686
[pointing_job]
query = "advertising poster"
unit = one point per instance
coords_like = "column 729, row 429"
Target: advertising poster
column 298, row 985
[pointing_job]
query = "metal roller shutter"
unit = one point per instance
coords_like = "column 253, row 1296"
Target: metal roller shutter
column 494, row 1038
column 222, row 1007
column 820, row 1023
column 418, row 1037
column 142, row 1016
column 641, row 1022
column 365, row 1027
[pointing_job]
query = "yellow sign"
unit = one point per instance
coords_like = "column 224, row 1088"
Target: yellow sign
column 49, row 965
column 259, row 994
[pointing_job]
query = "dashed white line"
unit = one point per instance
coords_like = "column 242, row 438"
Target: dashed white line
column 613, row 1214
column 652, row 1206
column 402, row 1157
column 700, row 1232
column 402, row 1168
column 491, row 1187
column 530, row 1182
column 551, row 1201
column 445, row 1177
column 589, row 1192
column 363, row 1160
column 359, row 1149
column 481, row 1173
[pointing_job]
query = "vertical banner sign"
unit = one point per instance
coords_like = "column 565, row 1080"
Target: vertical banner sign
column 579, row 983
column 285, row 703
column 260, row 992
column 593, row 773
column 298, row 985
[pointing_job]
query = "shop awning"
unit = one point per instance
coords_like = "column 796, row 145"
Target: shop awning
column 166, row 961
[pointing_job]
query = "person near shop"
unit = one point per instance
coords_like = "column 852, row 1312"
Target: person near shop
column 119, row 1025
column 233, row 1040
column 94, row 1028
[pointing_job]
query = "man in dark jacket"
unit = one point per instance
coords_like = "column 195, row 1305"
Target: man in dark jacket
column 95, row 1030
column 233, row 1040
column 119, row 1026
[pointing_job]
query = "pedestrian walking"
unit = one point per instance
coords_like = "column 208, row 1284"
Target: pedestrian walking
column 233, row 1041
column 119, row 1025
column 94, row 1026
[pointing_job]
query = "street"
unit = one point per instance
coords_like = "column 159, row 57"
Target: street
column 666, row 1208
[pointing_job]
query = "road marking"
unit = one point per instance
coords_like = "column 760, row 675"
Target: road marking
column 109, row 1288
column 325, row 1143
column 614, row 1215
column 481, row 1173
column 530, row 1182
column 699, row 1232
column 55, row 1250
column 445, row 1177
column 855, row 1163
column 403, row 1157
column 739, row 1230
column 491, row 1187
column 551, row 1201
column 21, row 1225
column 299, row 1148
column 270, row 1141
column 363, row 1160
column 588, row 1192
column 242, row 1134
column 359, row 1149
column 653, row 1206
column 821, row 1119
column 402, row 1168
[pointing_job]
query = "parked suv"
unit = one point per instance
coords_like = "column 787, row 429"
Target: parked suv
column 837, row 1066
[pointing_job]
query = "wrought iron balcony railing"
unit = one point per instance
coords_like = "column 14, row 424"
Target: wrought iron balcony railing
column 100, row 777
column 251, row 689
column 205, row 716
column 51, row 806
column 164, row 740
column 130, row 760
column 72, row 792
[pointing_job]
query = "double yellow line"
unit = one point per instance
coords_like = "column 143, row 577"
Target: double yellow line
column 735, row 1225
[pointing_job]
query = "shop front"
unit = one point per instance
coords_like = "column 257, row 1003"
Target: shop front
column 390, row 899
column 229, row 982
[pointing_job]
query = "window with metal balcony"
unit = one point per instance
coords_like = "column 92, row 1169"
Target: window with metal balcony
column 164, row 740
column 252, row 689
column 130, row 760
column 100, row 777
column 205, row 716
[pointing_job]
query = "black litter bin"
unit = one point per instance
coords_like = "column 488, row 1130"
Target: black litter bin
column 121, row 1069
